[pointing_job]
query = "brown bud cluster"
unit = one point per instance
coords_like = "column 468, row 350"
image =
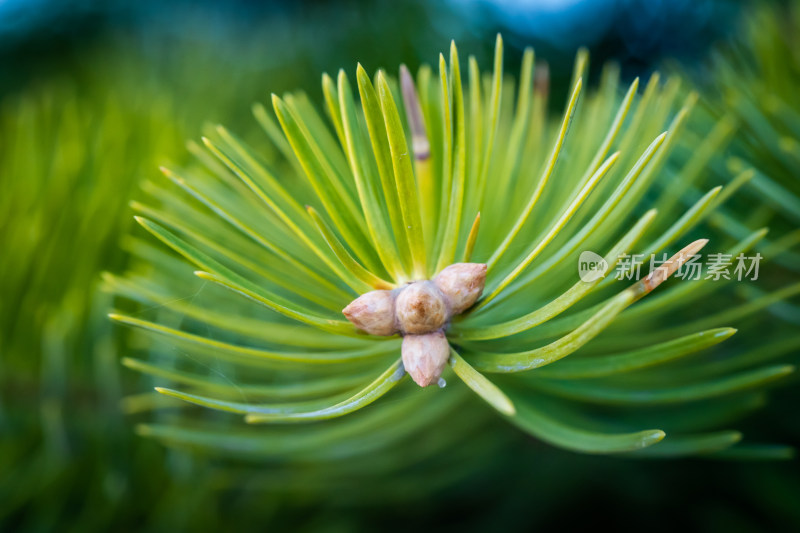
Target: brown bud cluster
column 420, row 311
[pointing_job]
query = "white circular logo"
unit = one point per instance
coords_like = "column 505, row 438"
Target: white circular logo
column 591, row 266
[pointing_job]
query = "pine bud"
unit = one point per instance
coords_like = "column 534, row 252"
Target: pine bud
column 462, row 284
column 421, row 308
column 373, row 312
column 425, row 356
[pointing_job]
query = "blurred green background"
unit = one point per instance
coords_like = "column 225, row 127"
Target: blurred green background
column 95, row 95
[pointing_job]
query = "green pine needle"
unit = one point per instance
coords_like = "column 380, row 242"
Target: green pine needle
column 396, row 187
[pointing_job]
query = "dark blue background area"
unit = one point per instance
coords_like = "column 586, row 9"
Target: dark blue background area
column 38, row 37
